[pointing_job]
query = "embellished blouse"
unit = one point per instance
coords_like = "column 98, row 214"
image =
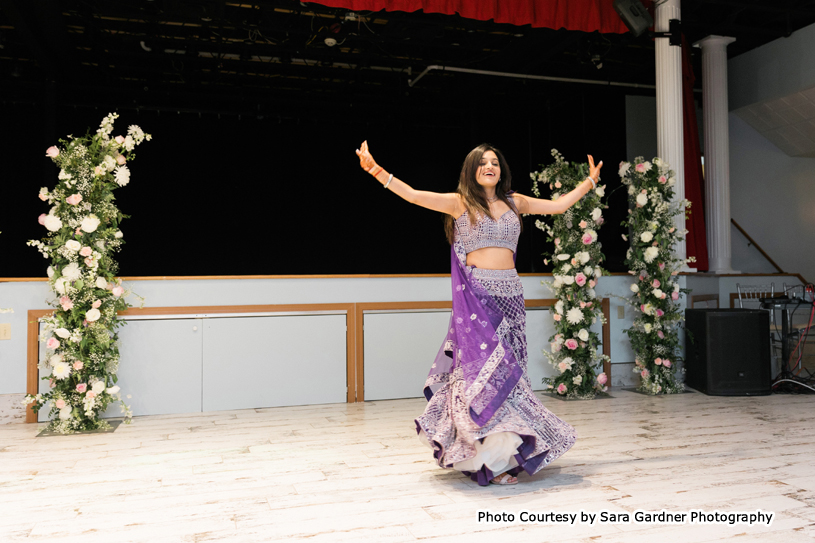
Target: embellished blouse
column 488, row 232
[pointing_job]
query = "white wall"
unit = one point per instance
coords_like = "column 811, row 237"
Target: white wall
column 772, row 196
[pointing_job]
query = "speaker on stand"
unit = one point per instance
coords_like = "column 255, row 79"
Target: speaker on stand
column 727, row 351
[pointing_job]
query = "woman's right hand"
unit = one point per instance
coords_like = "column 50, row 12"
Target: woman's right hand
column 366, row 161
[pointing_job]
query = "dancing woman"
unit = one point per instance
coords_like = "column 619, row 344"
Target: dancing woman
column 482, row 417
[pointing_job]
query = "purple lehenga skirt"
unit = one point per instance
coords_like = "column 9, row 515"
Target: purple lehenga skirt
column 482, row 417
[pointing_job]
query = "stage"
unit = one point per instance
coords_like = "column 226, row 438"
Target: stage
column 357, row 472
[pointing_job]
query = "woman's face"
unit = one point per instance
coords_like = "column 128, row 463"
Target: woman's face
column 489, row 170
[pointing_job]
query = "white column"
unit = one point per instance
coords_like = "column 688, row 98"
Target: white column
column 717, row 151
column 670, row 145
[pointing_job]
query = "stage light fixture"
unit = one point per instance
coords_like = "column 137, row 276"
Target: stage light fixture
column 634, row 16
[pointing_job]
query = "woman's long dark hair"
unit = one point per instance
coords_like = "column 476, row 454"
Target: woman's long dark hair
column 472, row 194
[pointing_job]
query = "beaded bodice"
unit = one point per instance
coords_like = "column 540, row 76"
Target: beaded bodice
column 487, row 232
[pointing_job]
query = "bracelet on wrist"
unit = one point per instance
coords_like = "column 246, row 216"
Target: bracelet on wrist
column 593, row 182
column 390, row 178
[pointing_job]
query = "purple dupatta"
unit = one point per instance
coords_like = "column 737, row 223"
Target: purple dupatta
column 477, row 348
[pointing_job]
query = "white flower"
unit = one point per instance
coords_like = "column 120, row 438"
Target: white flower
column 635, row 288
column 118, row 234
column 648, row 309
column 593, row 235
column 61, row 371
column 642, row 199
column 568, row 361
column 52, row 223
column 50, row 272
column 63, row 333
column 566, row 268
column 624, row 167
column 122, row 175
column 555, row 196
column 109, row 162
column 558, row 282
column 600, row 191
column 63, row 175
column 55, row 359
column 577, row 380
column 568, row 280
column 71, row 272
column 676, row 287
column 90, row 223
column 129, row 144
column 101, row 283
column 650, row 254
column 596, row 213
column 657, row 293
column 59, row 285
column 473, row 317
column 647, row 327
column 671, row 181
column 66, row 412
column 582, row 256
column 563, row 257
column 574, row 316
column 73, row 245
column 631, row 190
column 98, row 387
column 598, row 272
column 100, row 244
column 646, row 236
column 592, row 294
column 587, row 270
column 92, row 315
column 559, row 307
column 583, row 334
column 646, row 165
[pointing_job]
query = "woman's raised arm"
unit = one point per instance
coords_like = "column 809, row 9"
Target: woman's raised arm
column 449, row 203
column 540, row 206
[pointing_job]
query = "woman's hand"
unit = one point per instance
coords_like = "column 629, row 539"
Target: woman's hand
column 594, row 171
column 366, row 161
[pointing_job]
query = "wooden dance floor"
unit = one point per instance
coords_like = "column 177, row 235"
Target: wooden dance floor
column 357, row 472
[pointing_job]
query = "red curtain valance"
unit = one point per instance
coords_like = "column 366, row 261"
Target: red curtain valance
column 585, row 15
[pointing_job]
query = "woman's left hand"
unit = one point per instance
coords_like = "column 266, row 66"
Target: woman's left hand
column 594, row 171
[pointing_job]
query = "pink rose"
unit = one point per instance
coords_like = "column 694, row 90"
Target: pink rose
column 592, row 283
column 52, row 383
column 41, row 218
column 643, row 275
column 43, row 197
column 66, row 303
column 91, row 394
column 662, row 179
column 557, row 241
column 118, row 290
column 73, row 199
column 120, row 160
column 580, row 279
column 660, row 334
column 574, row 262
column 89, row 262
column 587, row 239
column 660, row 312
column 554, row 346
column 674, row 296
column 97, row 304
column 99, row 170
column 59, row 404
column 78, row 232
column 602, row 379
column 557, row 317
column 600, row 221
column 78, row 365
column 545, row 261
column 666, row 363
column 658, row 361
column 571, row 344
column 86, row 251
column 642, row 308
column 582, row 305
column 640, row 168
column 589, row 304
column 81, row 387
column 561, row 389
column 656, row 283
column 582, row 224
column 53, row 343
column 661, row 265
column 558, row 184
column 52, row 152
column 645, row 373
column 119, row 139
column 671, row 230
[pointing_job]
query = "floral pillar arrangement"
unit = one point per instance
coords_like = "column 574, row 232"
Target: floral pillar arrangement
column 576, row 259
column 82, row 353
column 654, row 335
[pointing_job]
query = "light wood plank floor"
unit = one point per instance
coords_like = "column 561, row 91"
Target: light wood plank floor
column 357, row 472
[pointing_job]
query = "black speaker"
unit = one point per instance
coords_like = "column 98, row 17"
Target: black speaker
column 727, row 351
column 634, row 15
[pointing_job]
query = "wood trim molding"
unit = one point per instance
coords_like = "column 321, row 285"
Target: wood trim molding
column 32, row 343
column 704, row 298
